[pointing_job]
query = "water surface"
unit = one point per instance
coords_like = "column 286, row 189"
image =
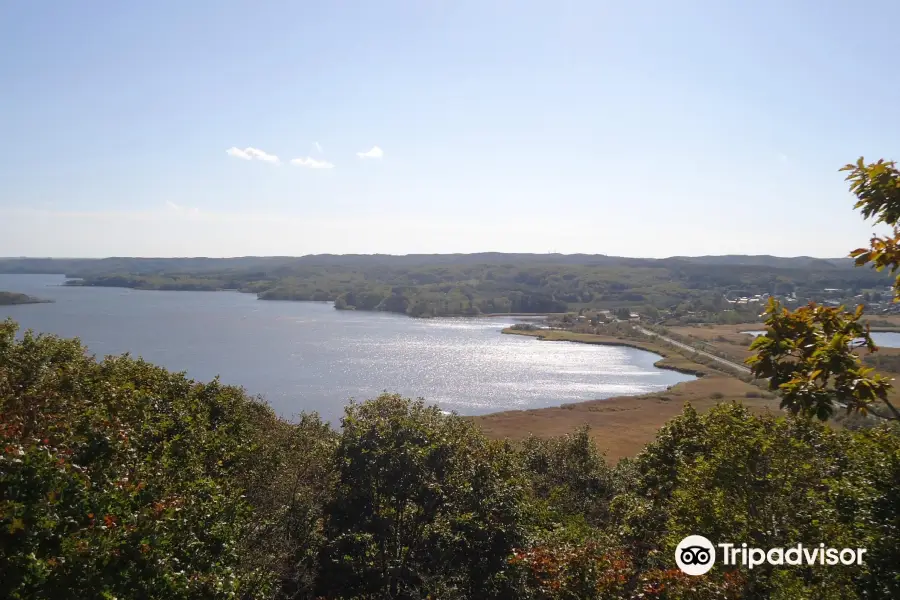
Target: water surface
column 308, row 356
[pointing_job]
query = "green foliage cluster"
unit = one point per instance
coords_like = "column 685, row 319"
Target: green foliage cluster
column 808, row 356
column 877, row 189
column 119, row 479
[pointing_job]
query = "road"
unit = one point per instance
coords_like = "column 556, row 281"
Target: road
column 736, row 366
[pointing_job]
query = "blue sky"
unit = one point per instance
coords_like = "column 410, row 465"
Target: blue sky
column 628, row 128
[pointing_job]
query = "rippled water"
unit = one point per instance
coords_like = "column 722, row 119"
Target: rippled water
column 308, row 356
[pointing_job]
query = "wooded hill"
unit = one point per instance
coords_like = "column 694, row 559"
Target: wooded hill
column 470, row 284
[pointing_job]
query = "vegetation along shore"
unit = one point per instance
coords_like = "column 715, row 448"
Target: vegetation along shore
column 12, row 298
column 725, row 289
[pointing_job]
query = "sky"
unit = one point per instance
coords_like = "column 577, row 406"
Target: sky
column 642, row 128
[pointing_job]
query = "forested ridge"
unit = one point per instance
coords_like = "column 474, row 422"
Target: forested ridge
column 471, row 284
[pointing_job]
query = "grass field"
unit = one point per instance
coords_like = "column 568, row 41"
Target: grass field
column 621, row 426
column 884, row 322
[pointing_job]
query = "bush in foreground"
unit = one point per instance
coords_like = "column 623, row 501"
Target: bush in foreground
column 120, row 479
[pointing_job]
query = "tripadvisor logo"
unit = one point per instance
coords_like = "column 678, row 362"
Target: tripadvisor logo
column 695, row 555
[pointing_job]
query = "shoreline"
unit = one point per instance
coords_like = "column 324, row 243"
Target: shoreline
column 20, row 299
column 239, row 291
column 670, row 360
column 622, row 426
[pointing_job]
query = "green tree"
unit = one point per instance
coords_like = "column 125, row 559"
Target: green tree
column 570, row 474
column 877, row 189
column 809, row 355
column 770, row 482
column 424, row 504
column 120, row 479
column 650, row 311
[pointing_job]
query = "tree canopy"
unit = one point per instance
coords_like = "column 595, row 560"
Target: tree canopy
column 809, row 355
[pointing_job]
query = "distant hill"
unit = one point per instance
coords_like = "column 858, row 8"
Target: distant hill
column 765, row 260
column 470, row 284
column 142, row 266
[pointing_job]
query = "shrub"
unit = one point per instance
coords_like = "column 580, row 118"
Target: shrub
column 107, row 480
column 424, row 504
column 570, row 474
column 120, row 479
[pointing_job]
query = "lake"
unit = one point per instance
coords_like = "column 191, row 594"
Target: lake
column 307, row 356
column 887, row 339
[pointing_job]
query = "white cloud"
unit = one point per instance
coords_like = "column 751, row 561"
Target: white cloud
column 253, row 153
column 238, row 153
column 182, row 210
column 375, row 152
column 312, row 163
column 318, row 147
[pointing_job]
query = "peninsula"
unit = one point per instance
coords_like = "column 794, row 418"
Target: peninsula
column 10, row 298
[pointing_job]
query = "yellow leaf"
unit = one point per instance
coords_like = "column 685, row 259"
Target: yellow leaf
column 16, row 525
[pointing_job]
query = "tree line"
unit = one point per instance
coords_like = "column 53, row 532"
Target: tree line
column 532, row 286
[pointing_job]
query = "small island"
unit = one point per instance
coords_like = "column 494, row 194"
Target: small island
column 10, row 298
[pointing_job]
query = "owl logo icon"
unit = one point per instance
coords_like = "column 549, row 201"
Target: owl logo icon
column 695, row 555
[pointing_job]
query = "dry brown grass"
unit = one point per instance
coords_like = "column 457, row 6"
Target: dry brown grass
column 884, row 322
column 623, row 425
